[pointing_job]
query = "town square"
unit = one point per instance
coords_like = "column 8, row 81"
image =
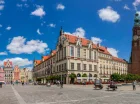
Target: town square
column 70, row 94
column 70, row 52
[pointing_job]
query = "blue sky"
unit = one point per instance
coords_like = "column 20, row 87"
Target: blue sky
column 30, row 28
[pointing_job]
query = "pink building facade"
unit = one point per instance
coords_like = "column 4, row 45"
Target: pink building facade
column 2, row 75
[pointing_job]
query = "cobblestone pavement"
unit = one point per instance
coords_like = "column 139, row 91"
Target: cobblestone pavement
column 70, row 94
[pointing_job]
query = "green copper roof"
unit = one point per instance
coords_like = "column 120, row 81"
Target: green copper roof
column 137, row 19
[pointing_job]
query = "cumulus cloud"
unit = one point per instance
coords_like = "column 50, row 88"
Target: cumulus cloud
column 60, row 7
column 2, row 2
column 52, row 25
column 79, row 32
column 96, row 40
column 39, row 12
column 113, row 52
column 108, row 14
column 19, row 45
column 1, row 7
column 17, row 61
column 8, row 28
column 38, row 31
column 136, row 2
column 126, row 7
column 3, row 53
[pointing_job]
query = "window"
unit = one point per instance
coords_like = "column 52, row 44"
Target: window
column 64, row 52
column 94, row 55
column 65, row 66
column 85, row 53
column 72, row 66
column 95, row 67
column 78, row 66
column 90, row 67
column 84, row 68
column 89, row 54
column 78, row 52
column 62, row 66
column 71, row 51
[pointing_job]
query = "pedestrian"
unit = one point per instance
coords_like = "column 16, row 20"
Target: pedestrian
column 61, row 84
column 134, row 85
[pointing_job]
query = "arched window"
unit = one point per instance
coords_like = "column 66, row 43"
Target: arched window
column 78, row 75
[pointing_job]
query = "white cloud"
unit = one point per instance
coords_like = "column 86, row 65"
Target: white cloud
column 60, row 7
column 3, row 53
column 52, row 25
column 38, row 31
column 96, row 40
column 22, row 5
column 2, row 2
column 39, row 12
column 113, row 52
column 79, row 32
column 17, row 61
column 1, row 7
column 126, row 7
column 19, row 45
column 136, row 3
column 8, row 28
column 108, row 14
column 19, row 5
column 0, row 25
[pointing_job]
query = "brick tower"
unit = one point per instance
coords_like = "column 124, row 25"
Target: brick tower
column 134, row 65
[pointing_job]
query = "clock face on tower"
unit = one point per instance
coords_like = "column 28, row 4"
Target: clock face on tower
column 135, row 37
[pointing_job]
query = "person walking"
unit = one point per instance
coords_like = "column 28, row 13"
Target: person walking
column 134, row 85
column 61, row 84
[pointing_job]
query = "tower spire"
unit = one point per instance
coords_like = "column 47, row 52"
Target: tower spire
column 61, row 31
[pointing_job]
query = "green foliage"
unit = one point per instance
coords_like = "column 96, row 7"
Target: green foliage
column 128, row 77
column 72, row 75
column 116, row 77
column 84, row 75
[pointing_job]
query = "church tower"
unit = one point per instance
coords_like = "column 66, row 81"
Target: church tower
column 134, row 65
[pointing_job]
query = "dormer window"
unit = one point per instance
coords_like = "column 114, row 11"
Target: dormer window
column 78, row 42
column 90, row 45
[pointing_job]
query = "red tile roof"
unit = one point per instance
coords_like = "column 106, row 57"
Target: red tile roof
column 5, row 63
column 118, row 59
column 45, row 57
column 73, row 39
column 104, row 50
column 38, row 61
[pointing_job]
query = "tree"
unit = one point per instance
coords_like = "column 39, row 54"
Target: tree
column 72, row 75
column 116, row 77
column 84, row 75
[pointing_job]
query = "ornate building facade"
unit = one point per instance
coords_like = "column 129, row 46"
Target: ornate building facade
column 134, row 65
column 25, row 75
column 2, row 75
column 79, row 56
column 16, row 76
column 8, row 69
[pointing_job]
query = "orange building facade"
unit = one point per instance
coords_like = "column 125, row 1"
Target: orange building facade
column 16, row 74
